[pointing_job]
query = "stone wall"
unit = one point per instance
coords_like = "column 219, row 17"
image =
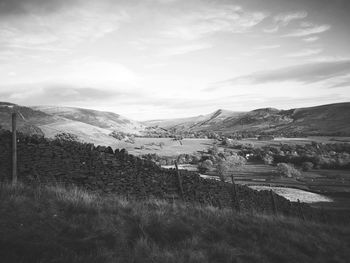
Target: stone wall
column 102, row 170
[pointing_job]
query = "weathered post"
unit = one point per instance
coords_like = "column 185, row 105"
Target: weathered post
column 235, row 195
column 273, row 202
column 179, row 181
column 14, row 148
column 301, row 211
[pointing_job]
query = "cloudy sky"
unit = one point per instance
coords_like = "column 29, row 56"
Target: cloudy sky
column 150, row 59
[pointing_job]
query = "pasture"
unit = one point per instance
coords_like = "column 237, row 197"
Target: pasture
column 164, row 146
column 296, row 141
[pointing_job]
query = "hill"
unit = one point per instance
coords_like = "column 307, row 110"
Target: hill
column 54, row 224
column 332, row 119
column 89, row 125
column 194, row 123
column 28, row 120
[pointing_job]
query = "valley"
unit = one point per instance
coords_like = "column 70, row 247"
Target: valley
column 196, row 141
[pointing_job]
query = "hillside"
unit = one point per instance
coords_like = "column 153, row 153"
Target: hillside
column 28, row 120
column 197, row 122
column 53, row 224
column 329, row 119
column 89, row 125
column 101, row 119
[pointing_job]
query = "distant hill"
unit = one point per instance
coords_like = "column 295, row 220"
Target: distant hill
column 194, row 123
column 94, row 126
column 28, row 120
column 329, row 119
column 89, row 125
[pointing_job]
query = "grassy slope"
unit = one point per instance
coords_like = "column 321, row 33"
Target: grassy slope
column 60, row 225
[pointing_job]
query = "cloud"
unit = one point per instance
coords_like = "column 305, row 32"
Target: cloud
column 311, row 39
column 305, row 53
column 272, row 29
column 284, row 19
column 311, row 30
column 94, row 71
column 53, row 94
column 304, row 73
column 180, row 50
column 20, row 7
column 63, row 94
column 212, row 19
column 267, row 47
column 60, row 30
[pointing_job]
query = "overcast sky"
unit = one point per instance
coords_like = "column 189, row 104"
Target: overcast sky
column 151, row 59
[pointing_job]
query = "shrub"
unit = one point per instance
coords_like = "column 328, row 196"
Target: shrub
column 307, row 166
column 288, row 170
column 205, row 166
column 231, row 164
column 268, row 159
column 66, row 136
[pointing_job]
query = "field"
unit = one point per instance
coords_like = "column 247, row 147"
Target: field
column 294, row 195
column 170, row 147
column 328, row 184
column 54, row 224
column 293, row 141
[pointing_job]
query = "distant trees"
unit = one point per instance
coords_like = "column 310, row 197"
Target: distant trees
column 307, row 166
column 288, row 170
column 230, row 164
column 66, row 136
column 205, row 166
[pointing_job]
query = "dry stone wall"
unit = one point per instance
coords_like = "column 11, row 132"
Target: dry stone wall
column 103, row 170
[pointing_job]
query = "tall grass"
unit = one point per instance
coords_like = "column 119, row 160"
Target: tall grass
column 57, row 224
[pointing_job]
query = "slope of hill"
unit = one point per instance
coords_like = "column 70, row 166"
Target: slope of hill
column 101, row 119
column 89, row 125
column 329, row 119
column 200, row 121
column 52, row 224
column 28, row 120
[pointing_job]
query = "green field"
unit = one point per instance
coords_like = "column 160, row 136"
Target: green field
column 296, row 141
column 170, row 147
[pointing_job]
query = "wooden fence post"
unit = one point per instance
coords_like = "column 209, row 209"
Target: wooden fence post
column 273, row 201
column 179, row 181
column 14, row 148
column 300, row 210
column 235, row 195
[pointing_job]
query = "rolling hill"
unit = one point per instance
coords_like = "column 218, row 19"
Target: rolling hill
column 89, row 125
column 94, row 126
column 331, row 119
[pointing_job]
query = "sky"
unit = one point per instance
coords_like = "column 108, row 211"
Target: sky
column 156, row 59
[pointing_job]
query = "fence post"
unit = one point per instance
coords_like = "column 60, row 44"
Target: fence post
column 235, row 195
column 14, row 148
column 300, row 210
column 179, row 181
column 273, row 201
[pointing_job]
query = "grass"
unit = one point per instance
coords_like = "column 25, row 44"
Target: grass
column 55, row 224
column 170, row 147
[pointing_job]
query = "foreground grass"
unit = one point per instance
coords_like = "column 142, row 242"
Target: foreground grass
column 53, row 224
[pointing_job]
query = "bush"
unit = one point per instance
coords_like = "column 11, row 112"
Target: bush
column 288, row 170
column 268, row 159
column 231, row 164
column 307, row 166
column 66, row 136
column 205, row 166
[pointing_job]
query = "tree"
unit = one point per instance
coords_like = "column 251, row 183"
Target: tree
column 205, row 166
column 288, row 170
column 230, row 164
column 67, row 137
column 307, row 166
